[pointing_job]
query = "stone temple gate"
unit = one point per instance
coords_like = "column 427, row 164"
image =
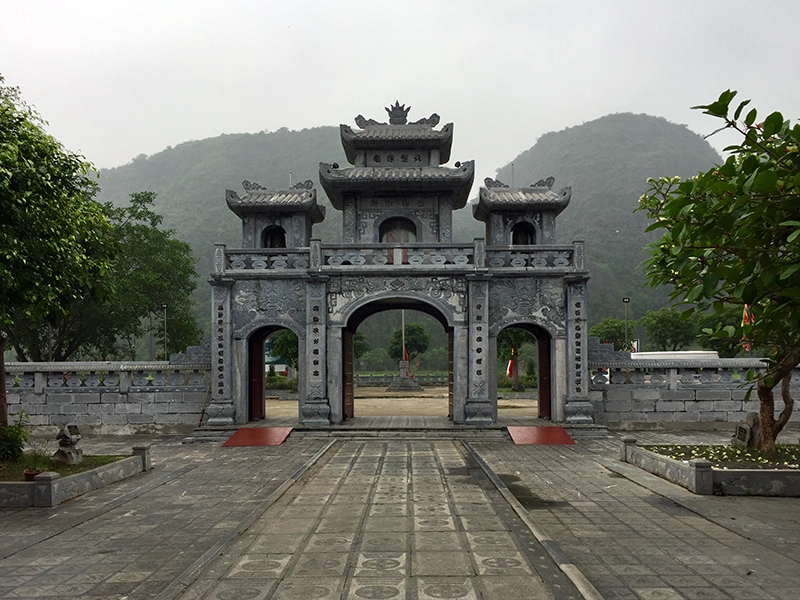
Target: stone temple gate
column 397, row 202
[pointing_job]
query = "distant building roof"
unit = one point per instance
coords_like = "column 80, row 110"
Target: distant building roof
column 258, row 200
column 336, row 181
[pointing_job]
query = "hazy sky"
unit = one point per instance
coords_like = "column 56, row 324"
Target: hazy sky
column 116, row 79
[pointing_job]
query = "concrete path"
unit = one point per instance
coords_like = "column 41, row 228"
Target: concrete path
column 398, row 519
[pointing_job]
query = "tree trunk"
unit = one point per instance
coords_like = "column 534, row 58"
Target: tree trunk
column 515, row 385
column 769, row 425
column 3, row 400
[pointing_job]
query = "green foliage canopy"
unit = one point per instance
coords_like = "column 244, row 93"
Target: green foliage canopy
column 54, row 239
column 731, row 235
column 612, row 331
column 509, row 342
column 667, row 331
column 150, row 269
column 417, row 340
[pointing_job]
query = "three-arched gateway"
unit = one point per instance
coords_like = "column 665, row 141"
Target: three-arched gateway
column 397, row 202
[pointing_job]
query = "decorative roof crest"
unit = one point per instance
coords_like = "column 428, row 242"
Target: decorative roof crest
column 493, row 183
column 303, row 185
column 249, row 187
column 398, row 114
column 548, row 183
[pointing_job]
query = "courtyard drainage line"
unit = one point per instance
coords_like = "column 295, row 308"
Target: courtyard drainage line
column 193, row 571
column 578, row 579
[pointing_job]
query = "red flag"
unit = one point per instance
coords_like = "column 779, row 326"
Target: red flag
column 510, row 368
column 405, row 354
column 748, row 318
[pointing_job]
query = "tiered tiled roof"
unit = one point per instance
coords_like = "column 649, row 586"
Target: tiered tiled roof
column 397, row 137
column 336, row 181
column 300, row 199
column 539, row 198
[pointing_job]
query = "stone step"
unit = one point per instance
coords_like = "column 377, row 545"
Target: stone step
column 406, row 434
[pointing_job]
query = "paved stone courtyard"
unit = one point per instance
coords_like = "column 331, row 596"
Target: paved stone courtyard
column 411, row 519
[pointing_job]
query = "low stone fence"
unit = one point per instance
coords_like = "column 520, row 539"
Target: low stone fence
column 365, row 380
column 699, row 475
column 110, row 397
column 637, row 394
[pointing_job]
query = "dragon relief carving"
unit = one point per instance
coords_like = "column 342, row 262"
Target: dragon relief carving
column 281, row 298
column 541, row 300
column 355, row 288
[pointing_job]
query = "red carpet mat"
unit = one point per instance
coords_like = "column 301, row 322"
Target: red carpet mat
column 259, row 436
column 540, row 435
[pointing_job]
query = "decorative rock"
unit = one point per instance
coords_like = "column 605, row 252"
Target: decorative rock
column 67, row 452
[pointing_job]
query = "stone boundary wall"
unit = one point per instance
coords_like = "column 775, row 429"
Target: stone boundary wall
column 639, row 394
column 110, row 397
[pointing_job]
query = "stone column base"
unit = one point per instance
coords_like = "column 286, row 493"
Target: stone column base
column 220, row 414
column 316, row 413
column 478, row 414
column 578, row 411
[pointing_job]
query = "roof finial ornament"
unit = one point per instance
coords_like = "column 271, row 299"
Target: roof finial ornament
column 548, row 183
column 398, row 114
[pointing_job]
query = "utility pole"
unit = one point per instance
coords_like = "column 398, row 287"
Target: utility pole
column 625, row 302
column 166, row 353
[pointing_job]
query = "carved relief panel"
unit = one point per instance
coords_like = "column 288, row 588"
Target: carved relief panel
column 536, row 300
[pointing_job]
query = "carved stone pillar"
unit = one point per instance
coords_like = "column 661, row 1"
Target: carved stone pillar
column 221, row 410
column 445, row 219
column 578, row 408
column 315, row 410
column 479, row 410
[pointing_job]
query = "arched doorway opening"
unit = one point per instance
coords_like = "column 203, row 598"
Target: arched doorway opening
column 271, row 353
column 398, row 230
column 273, row 237
column 523, row 234
column 517, row 346
column 374, row 326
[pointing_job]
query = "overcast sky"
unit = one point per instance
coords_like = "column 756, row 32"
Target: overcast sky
column 117, row 79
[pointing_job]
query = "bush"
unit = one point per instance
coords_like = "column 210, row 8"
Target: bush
column 281, row 383
column 13, row 438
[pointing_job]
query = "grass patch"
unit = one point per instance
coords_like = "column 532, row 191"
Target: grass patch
column 13, row 470
column 731, row 457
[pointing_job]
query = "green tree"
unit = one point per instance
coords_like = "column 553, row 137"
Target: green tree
column 53, row 238
column 284, row 344
column 612, row 331
column 666, row 330
column 150, row 270
column 417, row 341
column 360, row 345
column 708, row 323
column 732, row 236
column 509, row 342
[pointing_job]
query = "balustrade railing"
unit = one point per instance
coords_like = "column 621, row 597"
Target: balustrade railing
column 322, row 257
column 105, row 377
column 677, row 374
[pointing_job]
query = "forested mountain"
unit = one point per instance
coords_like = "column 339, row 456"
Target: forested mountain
column 605, row 161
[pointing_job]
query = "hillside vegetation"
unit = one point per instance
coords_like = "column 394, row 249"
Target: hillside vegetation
column 605, row 161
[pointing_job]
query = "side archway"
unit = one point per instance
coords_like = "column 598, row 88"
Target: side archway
column 256, row 369
column 545, row 358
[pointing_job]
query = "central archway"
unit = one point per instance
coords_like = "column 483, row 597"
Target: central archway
column 348, row 379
